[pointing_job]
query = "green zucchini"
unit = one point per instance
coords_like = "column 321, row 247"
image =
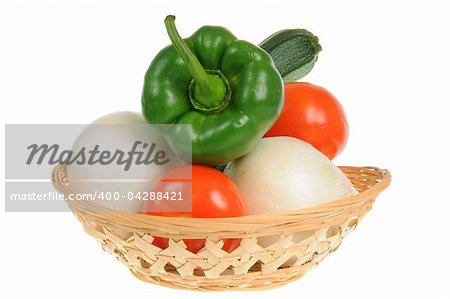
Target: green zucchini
column 294, row 52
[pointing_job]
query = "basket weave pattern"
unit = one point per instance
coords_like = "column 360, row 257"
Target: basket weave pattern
column 254, row 264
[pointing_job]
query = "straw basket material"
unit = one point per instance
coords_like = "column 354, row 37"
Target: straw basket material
column 300, row 239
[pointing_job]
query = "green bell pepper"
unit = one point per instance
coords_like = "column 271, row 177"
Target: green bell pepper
column 227, row 89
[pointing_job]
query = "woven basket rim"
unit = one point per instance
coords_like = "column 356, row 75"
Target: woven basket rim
column 313, row 217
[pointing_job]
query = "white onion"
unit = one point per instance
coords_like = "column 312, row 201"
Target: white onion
column 112, row 138
column 283, row 174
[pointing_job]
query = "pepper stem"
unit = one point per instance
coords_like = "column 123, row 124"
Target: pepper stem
column 209, row 90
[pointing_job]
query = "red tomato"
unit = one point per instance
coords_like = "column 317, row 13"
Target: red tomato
column 311, row 113
column 213, row 195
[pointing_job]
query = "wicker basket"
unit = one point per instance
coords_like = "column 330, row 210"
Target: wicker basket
column 251, row 266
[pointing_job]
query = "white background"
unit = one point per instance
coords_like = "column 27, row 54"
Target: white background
column 387, row 62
